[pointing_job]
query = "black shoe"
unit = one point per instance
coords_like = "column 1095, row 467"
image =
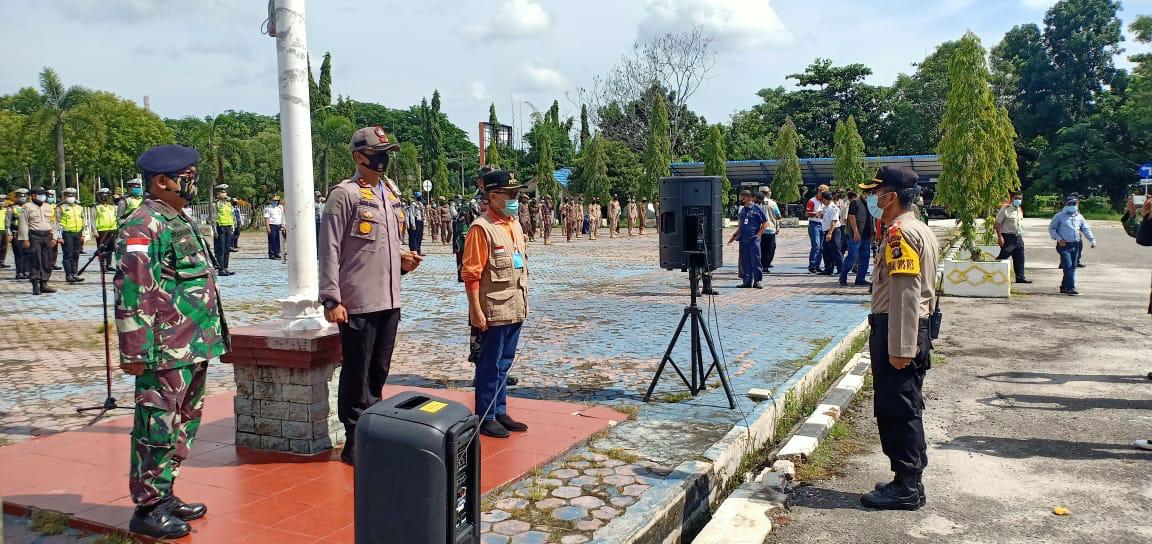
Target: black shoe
column 21, row 276
column 493, row 428
column 183, row 510
column 1023, row 280
column 35, row 288
column 77, row 278
column 157, row 522
column 3, row 265
column 863, row 284
column 348, row 454
column 757, row 285
column 69, row 279
column 1063, row 290
column 843, row 284
column 512, row 380
column 893, row 497
column 1072, row 292
column 45, row 288
column 745, row 286
column 813, row 270
column 826, row 273
column 1081, row 265
column 57, row 268
column 711, row 292
column 511, row 424
column 919, row 487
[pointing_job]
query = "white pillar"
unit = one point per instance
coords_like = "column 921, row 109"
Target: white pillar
column 299, row 309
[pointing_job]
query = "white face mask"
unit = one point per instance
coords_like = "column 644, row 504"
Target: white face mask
column 40, row 198
column 70, row 199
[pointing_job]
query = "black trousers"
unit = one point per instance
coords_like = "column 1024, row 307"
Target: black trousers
column 1014, row 247
column 222, row 245
column 833, row 257
column 3, row 245
column 18, row 256
column 40, row 255
column 367, row 341
column 767, row 249
column 274, row 241
column 416, row 236
column 899, row 402
column 107, row 258
column 72, row 245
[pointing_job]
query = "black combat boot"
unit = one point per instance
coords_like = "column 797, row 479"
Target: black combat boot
column 348, row 454
column 35, row 287
column 156, row 522
column 183, row 510
column 902, row 494
column 919, row 487
column 45, row 288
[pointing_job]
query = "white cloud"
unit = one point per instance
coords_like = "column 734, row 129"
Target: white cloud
column 538, row 77
column 479, row 91
column 1038, row 4
column 518, row 19
column 738, row 24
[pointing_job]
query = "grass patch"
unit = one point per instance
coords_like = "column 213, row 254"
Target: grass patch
column 821, row 465
column 619, row 454
column 47, row 522
column 113, row 539
column 1101, row 216
column 798, row 405
column 937, row 360
column 676, row 397
column 629, row 410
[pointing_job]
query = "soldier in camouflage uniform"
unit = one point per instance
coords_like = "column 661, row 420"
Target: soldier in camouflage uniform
column 170, row 323
column 547, row 217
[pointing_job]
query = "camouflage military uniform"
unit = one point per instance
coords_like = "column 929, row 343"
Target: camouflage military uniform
column 169, row 318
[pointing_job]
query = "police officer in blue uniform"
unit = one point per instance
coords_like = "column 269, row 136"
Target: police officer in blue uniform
column 752, row 223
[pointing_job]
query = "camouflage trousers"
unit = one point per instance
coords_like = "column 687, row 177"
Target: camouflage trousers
column 168, row 408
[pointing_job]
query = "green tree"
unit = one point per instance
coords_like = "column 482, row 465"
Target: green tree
column 57, row 103
column 716, row 160
column 787, row 180
column 969, row 149
column 596, row 182
column 1137, row 110
column 331, row 137
column 585, row 133
column 440, row 184
column 851, row 165
column 407, row 168
column 492, row 154
column 545, row 178
column 658, row 153
column 1082, row 36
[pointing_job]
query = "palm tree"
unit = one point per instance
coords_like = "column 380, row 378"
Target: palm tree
column 57, row 103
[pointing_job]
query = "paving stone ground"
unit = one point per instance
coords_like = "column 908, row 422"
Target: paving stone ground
column 602, row 316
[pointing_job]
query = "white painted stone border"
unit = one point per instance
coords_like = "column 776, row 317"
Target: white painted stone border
column 685, row 498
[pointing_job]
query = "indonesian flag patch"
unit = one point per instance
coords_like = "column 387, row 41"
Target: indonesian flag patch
column 499, row 250
column 136, row 245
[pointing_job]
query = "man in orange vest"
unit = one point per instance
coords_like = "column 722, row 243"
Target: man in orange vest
column 495, row 273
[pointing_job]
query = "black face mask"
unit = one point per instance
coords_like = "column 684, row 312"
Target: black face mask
column 187, row 186
column 377, row 162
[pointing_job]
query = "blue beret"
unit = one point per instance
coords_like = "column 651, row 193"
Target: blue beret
column 167, row 159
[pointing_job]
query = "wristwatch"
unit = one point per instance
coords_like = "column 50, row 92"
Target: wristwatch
column 330, row 304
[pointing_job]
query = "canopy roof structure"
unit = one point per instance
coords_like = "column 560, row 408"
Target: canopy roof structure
column 815, row 170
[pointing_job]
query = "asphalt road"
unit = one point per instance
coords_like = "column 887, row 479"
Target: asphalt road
column 1033, row 403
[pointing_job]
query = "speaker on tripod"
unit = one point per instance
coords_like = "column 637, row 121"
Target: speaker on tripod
column 691, row 226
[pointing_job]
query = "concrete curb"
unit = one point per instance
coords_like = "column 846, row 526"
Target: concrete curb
column 745, row 517
column 682, row 503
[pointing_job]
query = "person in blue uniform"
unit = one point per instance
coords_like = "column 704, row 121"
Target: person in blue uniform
column 751, row 224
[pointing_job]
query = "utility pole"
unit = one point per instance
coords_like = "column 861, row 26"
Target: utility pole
column 299, row 309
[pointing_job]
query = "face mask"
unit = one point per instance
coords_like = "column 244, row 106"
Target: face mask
column 187, row 187
column 873, row 208
column 69, row 200
column 377, row 162
column 1016, row 203
column 40, row 198
column 275, row 203
column 51, row 200
column 512, row 207
column 137, row 191
column 1070, row 209
column 21, row 200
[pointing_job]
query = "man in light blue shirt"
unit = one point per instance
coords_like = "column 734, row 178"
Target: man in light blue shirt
column 1065, row 228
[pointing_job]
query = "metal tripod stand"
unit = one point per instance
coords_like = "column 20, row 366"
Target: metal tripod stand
column 104, row 248
column 699, row 379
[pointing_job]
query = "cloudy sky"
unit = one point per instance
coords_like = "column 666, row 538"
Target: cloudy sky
column 198, row 57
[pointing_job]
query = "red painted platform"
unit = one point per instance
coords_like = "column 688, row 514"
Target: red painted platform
column 253, row 495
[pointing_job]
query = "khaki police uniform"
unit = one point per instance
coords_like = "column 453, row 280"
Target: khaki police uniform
column 37, row 226
column 903, row 292
column 614, row 218
column 593, row 219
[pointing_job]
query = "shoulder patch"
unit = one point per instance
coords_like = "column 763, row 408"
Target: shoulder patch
column 901, row 257
column 136, row 245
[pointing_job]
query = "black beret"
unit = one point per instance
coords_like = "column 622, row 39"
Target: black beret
column 38, row 190
column 167, row 159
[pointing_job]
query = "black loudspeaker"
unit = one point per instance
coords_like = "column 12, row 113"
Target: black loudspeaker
column 691, row 223
column 417, row 472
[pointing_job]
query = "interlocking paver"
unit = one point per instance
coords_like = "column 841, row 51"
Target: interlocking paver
column 587, row 502
column 569, row 513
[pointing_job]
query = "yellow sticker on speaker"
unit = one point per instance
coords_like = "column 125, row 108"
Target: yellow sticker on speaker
column 433, row 406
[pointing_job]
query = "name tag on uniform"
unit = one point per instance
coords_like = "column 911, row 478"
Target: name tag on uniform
column 517, row 260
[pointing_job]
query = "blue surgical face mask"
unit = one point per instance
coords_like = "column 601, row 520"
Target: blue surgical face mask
column 1016, row 203
column 51, row 200
column 876, row 211
column 512, row 207
column 137, row 191
column 1071, row 209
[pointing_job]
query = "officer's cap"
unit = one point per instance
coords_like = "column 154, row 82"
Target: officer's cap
column 52, row 191
column 69, row 191
column 167, row 159
column 38, row 190
column 133, row 182
column 103, row 191
column 372, row 139
column 893, row 177
column 222, row 187
column 317, row 193
column 1072, row 199
column 500, row 179
column 21, row 191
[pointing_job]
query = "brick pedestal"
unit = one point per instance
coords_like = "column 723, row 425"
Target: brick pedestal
column 286, row 383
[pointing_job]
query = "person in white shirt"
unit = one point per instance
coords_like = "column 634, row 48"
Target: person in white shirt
column 768, row 239
column 815, row 211
column 273, row 223
column 830, row 226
